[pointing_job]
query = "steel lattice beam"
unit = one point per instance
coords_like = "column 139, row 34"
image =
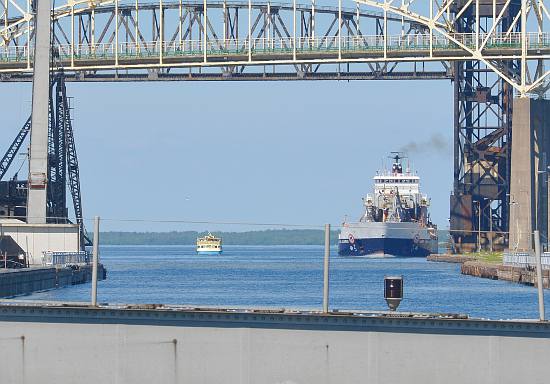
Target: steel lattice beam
column 233, row 37
column 230, row 40
column 8, row 157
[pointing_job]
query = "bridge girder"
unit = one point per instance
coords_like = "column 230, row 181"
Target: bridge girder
column 104, row 39
column 375, row 37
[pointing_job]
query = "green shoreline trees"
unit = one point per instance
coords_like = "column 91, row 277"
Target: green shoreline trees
column 265, row 237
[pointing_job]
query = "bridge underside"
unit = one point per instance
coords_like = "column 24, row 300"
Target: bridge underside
column 280, row 75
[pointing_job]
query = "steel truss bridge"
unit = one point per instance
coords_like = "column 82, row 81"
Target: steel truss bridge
column 490, row 49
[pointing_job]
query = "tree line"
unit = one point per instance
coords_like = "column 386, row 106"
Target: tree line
column 265, row 237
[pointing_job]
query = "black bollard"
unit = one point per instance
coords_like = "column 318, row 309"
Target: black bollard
column 393, row 291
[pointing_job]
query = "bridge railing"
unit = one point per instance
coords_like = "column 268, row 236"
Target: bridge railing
column 368, row 44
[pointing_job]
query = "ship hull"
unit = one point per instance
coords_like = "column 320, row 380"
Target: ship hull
column 403, row 239
column 209, row 252
column 383, row 247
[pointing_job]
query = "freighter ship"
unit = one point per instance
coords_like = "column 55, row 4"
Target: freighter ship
column 395, row 222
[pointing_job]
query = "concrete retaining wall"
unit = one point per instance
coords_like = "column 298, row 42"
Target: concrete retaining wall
column 68, row 345
column 449, row 258
column 527, row 276
column 15, row 282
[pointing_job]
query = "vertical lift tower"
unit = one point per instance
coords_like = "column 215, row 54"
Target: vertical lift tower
column 482, row 137
column 53, row 163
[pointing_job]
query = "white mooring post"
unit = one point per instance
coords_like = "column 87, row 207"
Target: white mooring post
column 95, row 258
column 540, row 287
column 325, row 268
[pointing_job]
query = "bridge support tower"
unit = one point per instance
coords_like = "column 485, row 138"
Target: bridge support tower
column 529, row 181
column 479, row 206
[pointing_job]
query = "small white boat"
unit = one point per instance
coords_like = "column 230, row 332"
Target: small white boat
column 209, row 245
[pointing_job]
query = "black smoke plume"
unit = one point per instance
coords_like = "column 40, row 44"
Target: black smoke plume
column 435, row 144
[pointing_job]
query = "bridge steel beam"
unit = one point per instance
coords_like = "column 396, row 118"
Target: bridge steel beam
column 306, row 39
column 137, row 76
column 259, row 37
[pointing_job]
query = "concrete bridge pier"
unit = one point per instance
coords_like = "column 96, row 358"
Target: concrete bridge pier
column 528, row 197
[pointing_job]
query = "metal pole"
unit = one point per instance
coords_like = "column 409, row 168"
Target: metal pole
column 205, row 31
column 547, row 180
column 523, row 70
column 539, row 276
column 294, row 30
column 491, row 227
column 325, row 268
column 479, row 226
column 28, row 31
column 116, row 33
column 161, row 33
column 249, row 30
column 72, row 35
column 313, row 19
column 95, row 260
column 339, row 30
column 477, row 25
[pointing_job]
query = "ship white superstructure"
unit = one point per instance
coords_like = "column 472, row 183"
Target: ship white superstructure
column 395, row 220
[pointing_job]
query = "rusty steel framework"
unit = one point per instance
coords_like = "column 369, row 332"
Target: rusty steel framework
column 482, row 138
column 491, row 49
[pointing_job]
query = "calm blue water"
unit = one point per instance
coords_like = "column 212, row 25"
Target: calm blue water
column 291, row 277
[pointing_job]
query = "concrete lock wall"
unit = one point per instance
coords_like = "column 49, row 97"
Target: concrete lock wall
column 157, row 347
column 37, row 238
column 24, row 281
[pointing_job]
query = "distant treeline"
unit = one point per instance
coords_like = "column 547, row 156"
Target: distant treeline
column 266, row 237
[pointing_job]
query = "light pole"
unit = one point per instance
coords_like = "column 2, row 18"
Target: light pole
column 491, row 227
column 478, row 226
column 513, row 203
column 546, row 180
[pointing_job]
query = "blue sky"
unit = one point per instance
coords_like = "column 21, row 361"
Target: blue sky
column 262, row 152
